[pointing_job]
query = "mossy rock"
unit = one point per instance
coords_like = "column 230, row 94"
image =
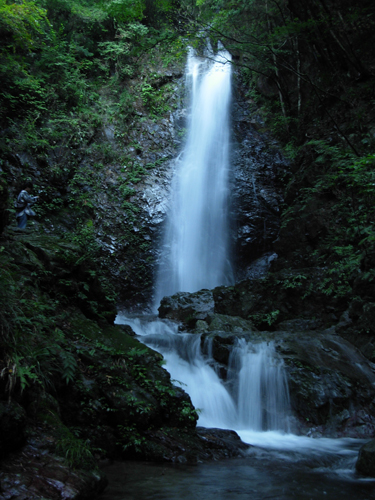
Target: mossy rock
column 187, row 307
column 112, row 336
column 226, row 323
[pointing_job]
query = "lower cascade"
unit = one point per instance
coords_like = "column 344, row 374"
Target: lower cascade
column 253, row 400
column 262, row 393
column 255, row 395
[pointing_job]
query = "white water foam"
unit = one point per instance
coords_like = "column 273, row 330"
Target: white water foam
column 261, row 387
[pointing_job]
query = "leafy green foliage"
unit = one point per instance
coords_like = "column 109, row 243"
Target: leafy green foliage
column 292, row 57
column 125, row 10
column 76, row 452
column 119, row 51
column 130, row 438
column 348, row 182
column 155, row 100
column 262, row 319
column 24, row 22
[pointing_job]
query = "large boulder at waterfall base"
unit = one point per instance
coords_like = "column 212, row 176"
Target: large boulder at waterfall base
column 366, row 459
column 196, row 311
column 187, row 307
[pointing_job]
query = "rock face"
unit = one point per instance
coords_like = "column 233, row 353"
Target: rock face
column 187, row 307
column 331, row 384
column 286, row 295
column 257, row 167
column 366, row 459
column 123, row 182
column 37, row 474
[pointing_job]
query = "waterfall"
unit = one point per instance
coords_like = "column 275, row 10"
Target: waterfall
column 196, row 249
column 196, row 255
column 261, row 387
column 253, row 399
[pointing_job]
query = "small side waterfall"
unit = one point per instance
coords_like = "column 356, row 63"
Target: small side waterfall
column 196, row 249
column 261, row 387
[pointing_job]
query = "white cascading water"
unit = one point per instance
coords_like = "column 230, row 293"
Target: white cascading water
column 196, row 256
column 256, row 394
column 195, row 251
column 261, row 387
column 254, row 400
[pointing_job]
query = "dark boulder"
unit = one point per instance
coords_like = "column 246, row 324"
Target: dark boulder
column 12, row 426
column 187, row 307
column 366, row 459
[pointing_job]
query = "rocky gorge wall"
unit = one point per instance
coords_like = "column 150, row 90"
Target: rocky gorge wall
column 122, row 187
column 119, row 189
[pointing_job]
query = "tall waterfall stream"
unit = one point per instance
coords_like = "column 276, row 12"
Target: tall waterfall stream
column 254, row 400
column 196, row 248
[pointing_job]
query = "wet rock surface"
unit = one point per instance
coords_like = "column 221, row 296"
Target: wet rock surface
column 187, row 307
column 179, row 446
column 331, row 384
column 222, row 442
column 256, row 192
column 39, row 474
column 283, row 295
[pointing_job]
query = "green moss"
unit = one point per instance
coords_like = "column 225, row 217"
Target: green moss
column 110, row 336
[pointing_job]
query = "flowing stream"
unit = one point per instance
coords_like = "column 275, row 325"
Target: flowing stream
column 254, row 398
column 255, row 395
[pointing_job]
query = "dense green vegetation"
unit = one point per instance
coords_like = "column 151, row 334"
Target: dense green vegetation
column 66, row 70
column 71, row 70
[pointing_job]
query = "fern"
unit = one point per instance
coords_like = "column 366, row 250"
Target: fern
column 69, row 365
